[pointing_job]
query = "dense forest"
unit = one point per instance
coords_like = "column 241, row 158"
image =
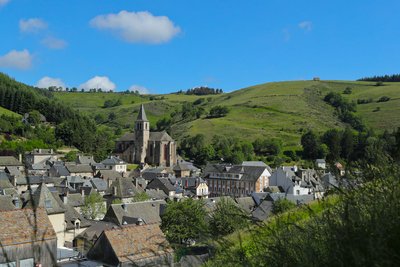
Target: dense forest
column 384, row 78
column 64, row 126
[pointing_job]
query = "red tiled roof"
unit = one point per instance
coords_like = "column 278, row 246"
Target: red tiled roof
column 17, row 226
column 133, row 243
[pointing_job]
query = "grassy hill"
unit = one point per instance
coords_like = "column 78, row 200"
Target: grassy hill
column 4, row 111
column 281, row 110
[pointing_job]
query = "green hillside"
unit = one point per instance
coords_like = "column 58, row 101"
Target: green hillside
column 281, row 109
column 7, row 112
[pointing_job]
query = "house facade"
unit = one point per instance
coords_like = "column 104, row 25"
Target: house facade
column 236, row 180
column 143, row 146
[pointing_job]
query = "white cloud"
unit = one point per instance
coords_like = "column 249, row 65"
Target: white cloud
column 141, row 89
column 32, row 25
column 16, row 59
column 4, row 2
column 306, row 25
column 98, row 82
column 46, row 82
column 137, row 27
column 54, row 43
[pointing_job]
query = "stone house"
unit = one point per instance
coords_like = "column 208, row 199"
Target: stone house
column 236, row 180
column 115, row 164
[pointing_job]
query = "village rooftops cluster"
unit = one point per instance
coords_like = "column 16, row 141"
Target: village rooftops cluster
column 130, row 204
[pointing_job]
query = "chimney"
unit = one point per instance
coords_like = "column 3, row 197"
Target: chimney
column 20, row 157
column 65, row 199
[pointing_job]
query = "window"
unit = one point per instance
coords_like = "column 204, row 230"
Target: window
column 47, row 204
column 165, row 151
column 297, row 192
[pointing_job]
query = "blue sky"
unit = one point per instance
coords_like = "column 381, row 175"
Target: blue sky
column 163, row 46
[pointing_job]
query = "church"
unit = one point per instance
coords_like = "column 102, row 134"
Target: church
column 142, row 146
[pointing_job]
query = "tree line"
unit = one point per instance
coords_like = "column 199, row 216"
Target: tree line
column 71, row 127
column 202, row 90
column 382, row 78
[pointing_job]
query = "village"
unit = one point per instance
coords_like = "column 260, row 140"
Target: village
column 103, row 213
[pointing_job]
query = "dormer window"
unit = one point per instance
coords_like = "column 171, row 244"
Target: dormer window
column 77, row 224
column 47, row 204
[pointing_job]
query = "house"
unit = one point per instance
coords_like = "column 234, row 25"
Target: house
column 133, row 245
column 131, row 213
column 290, row 182
column 236, row 180
column 53, row 206
column 27, row 238
column 329, row 181
column 40, row 155
column 122, row 189
column 41, row 168
column 84, row 241
column 320, row 163
column 164, row 185
column 99, row 185
column 83, row 170
column 58, row 170
column 115, row 164
column 74, row 183
column 23, row 183
column 75, row 224
column 185, row 169
column 109, row 176
column 158, row 172
column 145, row 147
column 9, row 161
column 196, row 185
column 86, row 160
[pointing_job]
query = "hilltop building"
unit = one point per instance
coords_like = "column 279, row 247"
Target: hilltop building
column 143, row 146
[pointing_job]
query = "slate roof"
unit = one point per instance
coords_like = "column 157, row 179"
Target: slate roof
column 142, row 114
column 160, row 136
column 109, row 174
column 14, row 171
column 148, row 211
column 5, row 180
column 185, row 166
column 88, row 160
column 162, row 184
column 246, row 203
column 41, row 166
column 61, row 170
column 124, row 188
column 249, row 173
column 99, row 184
column 79, row 168
column 17, row 226
column 43, row 198
column 135, row 244
column 156, row 194
column 152, row 173
column 320, row 161
column 113, row 160
column 34, row 179
column 71, row 215
column 9, row 161
column 189, row 182
column 95, row 229
column 75, row 200
column 75, row 180
column 127, row 137
column 6, row 203
column 262, row 212
column 41, row 151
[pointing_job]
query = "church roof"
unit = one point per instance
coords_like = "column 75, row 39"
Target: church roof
column 142, row 114
column 127, row 137
column 160, row 136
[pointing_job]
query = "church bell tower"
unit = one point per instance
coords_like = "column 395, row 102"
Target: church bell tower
column 142, row 134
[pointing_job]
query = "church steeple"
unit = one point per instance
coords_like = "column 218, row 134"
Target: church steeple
column 142, row 135
column 142, row 114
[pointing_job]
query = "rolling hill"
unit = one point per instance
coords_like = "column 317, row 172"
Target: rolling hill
column 281, row 110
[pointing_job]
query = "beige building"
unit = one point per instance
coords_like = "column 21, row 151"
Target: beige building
column 143, row 146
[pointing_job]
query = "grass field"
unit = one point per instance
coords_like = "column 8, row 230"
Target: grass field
column 281, row 110
column 7, row 112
